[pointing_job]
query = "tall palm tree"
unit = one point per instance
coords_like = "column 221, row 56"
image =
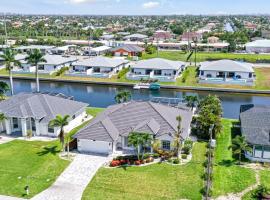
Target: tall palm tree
column 10, row 61
column 191, row 101
column 138, row 141
column 60, row 121
column 240, row 145
column 3, row 89
column 178, row 138
column 33, row 58
column 122, row 96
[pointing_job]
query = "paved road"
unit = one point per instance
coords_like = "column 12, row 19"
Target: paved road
column 72, row 182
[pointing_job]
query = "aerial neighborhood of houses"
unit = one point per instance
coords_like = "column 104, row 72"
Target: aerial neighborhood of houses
column 134, row 107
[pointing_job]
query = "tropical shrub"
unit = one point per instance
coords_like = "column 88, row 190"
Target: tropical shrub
column 184, row 156
column 176, row 161
column 115, row 163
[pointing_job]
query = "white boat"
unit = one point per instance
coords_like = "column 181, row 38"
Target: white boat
column 141, row 86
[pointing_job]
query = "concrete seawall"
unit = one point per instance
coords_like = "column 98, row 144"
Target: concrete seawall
column 190, row 88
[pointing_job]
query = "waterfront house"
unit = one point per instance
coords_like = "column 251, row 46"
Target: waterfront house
column 99, row 67
column 32, row 112
column 96, row 51
column 191, row 36
column 127, row 50
column 258, row 46
column 108, row 132
column 255, row 126
column 157, row 68
column 161, row 35
column 53, row 63
column 226, row 72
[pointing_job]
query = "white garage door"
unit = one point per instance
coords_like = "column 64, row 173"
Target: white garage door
column 94, row 146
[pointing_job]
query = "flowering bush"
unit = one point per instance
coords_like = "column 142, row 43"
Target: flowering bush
column 137, row 162
column 115, row 163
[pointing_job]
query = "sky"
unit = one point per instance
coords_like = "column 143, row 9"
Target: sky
column 135, row 7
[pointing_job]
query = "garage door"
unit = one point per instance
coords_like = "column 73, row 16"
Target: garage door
column 94, row 146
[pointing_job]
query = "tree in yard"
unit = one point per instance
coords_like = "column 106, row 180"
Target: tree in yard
column 139, row 141
column 240, row 145
column 178, row 138
column 210, row 112
column 10, row 61
column 33, row 58
column 3, row 89
column 2, row 117
column 60, row 121
column 191, row 101
column 122, row 96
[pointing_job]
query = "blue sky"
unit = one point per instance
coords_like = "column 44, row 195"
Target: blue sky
column 136, row 7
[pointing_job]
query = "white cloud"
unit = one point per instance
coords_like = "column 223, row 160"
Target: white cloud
column 151, row 4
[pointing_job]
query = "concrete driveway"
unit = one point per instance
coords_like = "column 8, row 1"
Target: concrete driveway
column 5, row 139
column 72, row 182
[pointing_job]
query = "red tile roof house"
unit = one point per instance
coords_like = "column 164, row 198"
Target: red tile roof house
column 127, row 50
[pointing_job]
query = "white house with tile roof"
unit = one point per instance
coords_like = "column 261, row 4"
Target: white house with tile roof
column 109, row 131
column 33, row 111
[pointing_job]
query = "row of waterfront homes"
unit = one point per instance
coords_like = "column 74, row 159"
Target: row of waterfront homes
column 163, row 70
column 108, row 132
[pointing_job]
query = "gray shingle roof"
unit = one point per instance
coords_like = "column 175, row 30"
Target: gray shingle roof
column 121, row 119
column 129, row 48
column 136, row 35
column 226, row 66
column 100, row 61
column 158, row 63
column 39, row 106
column 255, row 124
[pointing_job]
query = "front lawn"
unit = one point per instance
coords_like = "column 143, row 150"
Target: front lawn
column 155, row 182
column 22, row 163
column 228, row 177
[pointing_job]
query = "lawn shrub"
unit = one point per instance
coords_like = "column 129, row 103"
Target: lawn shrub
column 176, row 161
column 186, row 149
column 115, row 163
column 184, row 156
column 156, row 155
column 61, row 71
column 185, row 75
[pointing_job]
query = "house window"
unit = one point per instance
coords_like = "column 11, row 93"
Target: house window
column 202, row 73
column 166, row 145
column 33, row 123
column 250, row 75
column 74, row 116
column 258, row 152
column 125, row 141
column 50, row 129
column 15, row 122
column 266, row 152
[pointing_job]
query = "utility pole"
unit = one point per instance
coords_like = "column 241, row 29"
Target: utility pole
column 209, row 168
column 5, row 24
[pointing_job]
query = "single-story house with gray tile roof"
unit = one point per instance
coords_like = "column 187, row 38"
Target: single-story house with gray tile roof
column 98, row 66
column 34, row 111
column 226, row 71
column 109, row 131
column 53, row 63
column 255, row 126
column 136, row 37
column 157, row 68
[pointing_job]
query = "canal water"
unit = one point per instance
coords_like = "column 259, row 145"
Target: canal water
column 103, row 96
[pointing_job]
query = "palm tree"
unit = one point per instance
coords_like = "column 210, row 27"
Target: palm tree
column 178, row 138
column 3, row 89
column 61, row 122
column 10, row 62
column 35, row 57
column 122, row 96
column 239, row 145
column 191, row 101
column 138, row 141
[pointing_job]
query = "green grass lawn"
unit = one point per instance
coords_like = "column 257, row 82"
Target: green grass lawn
column 229, row 177
column 155, row 182
column 39, row 161
column 203, row 56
